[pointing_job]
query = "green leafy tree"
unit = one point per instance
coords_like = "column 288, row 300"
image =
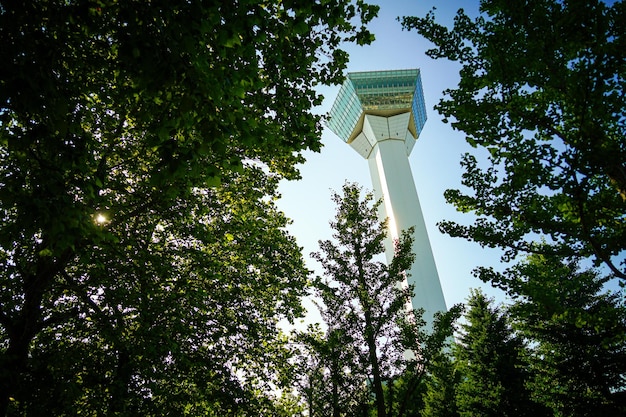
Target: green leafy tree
column 423, row 350
column 578, row 330
column 364, row 302
column 182, row 320
column 490, row 359
column 362, row 297
column 441, row 386
column 327, row 381
column 542, row 91
column 550, row 115
column 143, row 262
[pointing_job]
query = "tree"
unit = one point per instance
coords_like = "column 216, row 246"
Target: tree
column 441, row 386
column 364, row 298
column 364, row 302
column 490, row 359
column 183, row 319
column 550, row 113
column 327, row 381
column 143, row 263
column 578, row 334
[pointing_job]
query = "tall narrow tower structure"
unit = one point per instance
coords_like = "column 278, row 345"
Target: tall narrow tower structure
column 380, row 114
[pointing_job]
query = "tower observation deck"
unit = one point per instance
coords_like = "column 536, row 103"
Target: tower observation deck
column 380, row 114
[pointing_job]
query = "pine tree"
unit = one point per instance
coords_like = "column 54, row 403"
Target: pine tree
column 441, row 386
column 490, row 358
column 578, row 329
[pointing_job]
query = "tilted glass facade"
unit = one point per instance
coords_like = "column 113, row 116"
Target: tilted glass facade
column 346, row 111
column 382, row 93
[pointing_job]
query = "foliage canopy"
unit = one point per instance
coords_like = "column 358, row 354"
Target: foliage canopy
column 541, row 95
column 143, row 262
column 542, row 91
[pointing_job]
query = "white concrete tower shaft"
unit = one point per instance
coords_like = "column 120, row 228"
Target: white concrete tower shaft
column 380, row 114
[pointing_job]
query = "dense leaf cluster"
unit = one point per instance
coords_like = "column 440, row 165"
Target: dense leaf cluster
column 143, row 263
column 542, row 90
column 541, row 94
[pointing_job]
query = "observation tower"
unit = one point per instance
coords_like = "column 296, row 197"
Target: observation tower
column 380, row 114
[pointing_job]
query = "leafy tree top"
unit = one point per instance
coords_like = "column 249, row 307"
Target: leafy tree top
column 140, row 146
column 542, row 90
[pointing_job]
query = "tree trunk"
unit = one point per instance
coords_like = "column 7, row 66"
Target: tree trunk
column 370, row 337
column 12, row 367
column 21, row 331
column 377, row 382
column 25, row 326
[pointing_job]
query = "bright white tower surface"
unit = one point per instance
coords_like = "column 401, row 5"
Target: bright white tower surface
column 380, row 114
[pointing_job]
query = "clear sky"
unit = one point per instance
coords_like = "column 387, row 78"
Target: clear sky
column 434, row 159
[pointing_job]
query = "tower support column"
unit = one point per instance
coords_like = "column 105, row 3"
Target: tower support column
column 393, row 183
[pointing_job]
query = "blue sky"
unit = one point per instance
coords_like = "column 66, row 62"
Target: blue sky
column 434, row 160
